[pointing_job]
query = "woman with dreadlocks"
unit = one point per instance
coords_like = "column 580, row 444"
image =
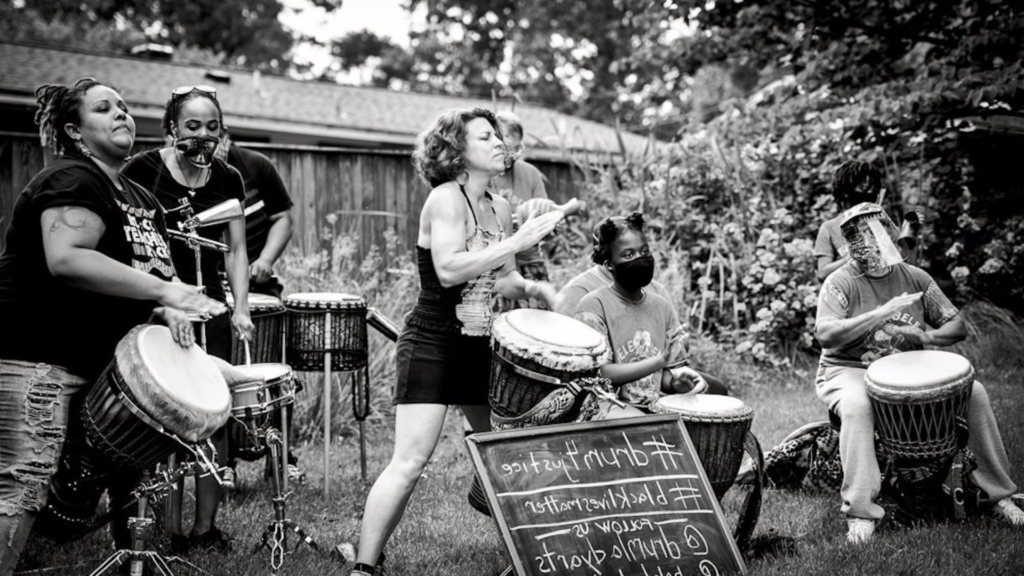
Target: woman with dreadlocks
column 188, row 171
column 86, row 260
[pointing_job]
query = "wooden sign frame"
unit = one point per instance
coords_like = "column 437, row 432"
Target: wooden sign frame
column 475, row 441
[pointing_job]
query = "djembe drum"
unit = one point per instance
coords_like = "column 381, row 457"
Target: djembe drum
column 537, row 353
column 155, row 397
column 919, row 400
column 268, row 319
column 717, row 426
column 327, row 331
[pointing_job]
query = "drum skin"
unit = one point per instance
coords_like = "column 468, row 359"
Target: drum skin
column 268, row 319
column 307, row 340
column 918, row 398
column 554, row 346
column 153, row 385
column 717, row 426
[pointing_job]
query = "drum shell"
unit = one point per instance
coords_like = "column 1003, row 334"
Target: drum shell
column 306, row 345
column 923, row 425
column 512, row 394
column 267, row 344
column 718, row 442
column 259, row 397
column 116, row 432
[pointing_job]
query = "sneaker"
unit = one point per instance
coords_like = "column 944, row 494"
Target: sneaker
column 227, row 476
column 859, row 530
column 1009, row 512
column 213, row 539
column 295, row 474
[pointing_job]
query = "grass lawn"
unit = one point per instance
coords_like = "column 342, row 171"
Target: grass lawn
column 442, row 535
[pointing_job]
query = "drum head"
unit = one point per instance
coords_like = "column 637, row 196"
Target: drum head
column 703, row 406
column 325, row 299
column 258, row 302
column 269, row 372
column 927, row 373
column 551, row 339
column 179, row 387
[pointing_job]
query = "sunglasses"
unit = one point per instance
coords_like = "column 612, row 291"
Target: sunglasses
column 201, row 88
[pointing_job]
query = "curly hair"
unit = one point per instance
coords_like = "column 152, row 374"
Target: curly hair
column 849, row 178
column 439, row 156
column 58, row 106
column 609, row 230
column 173, row 108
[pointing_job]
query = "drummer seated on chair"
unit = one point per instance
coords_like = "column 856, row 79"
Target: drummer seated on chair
column 873, row 306
column 641, row 327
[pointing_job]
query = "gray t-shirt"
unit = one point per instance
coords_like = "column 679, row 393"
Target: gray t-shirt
column 848, row 293
column 634, row 331
column 595, row 277
column 523, row 182
column 830, row 241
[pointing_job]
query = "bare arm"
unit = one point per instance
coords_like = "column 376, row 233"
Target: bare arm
column 952, row 332
column 277, row 237
column 621, row 374
column 827, row 266
column 444, row 219
column 836, row 333
column 70, row 237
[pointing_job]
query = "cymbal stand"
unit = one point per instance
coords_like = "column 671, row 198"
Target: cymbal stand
column 140, row 526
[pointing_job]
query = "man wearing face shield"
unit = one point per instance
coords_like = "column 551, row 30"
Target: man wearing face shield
column 872, row 306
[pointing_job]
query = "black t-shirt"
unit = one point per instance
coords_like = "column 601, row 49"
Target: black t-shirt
column 149, row 170
column 265, row 195
column 43, row 319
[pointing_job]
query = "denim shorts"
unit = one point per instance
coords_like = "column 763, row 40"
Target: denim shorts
column 35, row 404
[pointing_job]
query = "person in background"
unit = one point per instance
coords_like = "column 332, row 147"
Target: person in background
column 600, row 276
column 464, row 255
column 86, row 260
column 268, row 227
column 854, row 182
column 641, row 327
column 872, row 306
column 521, row 181
column 189, row 171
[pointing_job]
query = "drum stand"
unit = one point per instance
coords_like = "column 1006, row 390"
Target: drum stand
column 275, row 534
column 140, row 527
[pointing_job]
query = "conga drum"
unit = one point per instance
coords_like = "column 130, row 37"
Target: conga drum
column 717, row 426
column 268, row 319
column 535, row 352
column 917, row 398
column 321, row 322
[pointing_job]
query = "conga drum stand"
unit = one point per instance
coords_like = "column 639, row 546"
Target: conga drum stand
column 140, row 527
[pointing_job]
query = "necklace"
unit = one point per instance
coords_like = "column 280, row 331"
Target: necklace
column 199, row 179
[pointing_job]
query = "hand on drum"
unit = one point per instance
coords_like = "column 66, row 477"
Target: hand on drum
column 242, row 324
column 898, row 303
column 686, row 380
column 179, row 323
column 260, row 271
column 534, row 230
column 915, row 335
column 545, row 291
column 189, row 299
column 675, row 352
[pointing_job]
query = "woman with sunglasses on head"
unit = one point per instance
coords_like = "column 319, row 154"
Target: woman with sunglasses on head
column 86, row 261
column 188, row 171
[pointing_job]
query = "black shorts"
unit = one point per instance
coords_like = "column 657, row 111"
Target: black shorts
column 435, row 367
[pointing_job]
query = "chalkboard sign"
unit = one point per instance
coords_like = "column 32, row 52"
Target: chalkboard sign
column 614, row 498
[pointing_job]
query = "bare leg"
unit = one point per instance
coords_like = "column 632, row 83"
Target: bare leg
column 14, row 531
column 417, row 429
column 207, row 488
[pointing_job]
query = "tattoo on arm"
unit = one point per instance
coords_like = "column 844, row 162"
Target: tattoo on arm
column 72, row 217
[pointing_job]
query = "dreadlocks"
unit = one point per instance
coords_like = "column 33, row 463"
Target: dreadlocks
column 58, row 106
column 855, row 182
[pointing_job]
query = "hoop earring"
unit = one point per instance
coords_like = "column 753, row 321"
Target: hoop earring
column 463, row 177
column 83, row 149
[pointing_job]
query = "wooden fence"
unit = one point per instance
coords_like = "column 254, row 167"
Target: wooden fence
column 370, row 191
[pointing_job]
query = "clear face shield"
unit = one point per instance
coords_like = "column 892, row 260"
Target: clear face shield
column 869, row 233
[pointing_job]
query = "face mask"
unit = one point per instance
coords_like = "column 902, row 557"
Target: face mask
column 636, row 273
column 198, row 150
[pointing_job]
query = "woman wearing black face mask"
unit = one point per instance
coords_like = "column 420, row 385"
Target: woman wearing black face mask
column 188, row 170
column 641, row 326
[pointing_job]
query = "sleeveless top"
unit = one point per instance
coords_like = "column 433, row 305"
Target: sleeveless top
column 463, row 309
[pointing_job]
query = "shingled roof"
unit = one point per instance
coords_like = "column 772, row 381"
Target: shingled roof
column 370, row 116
